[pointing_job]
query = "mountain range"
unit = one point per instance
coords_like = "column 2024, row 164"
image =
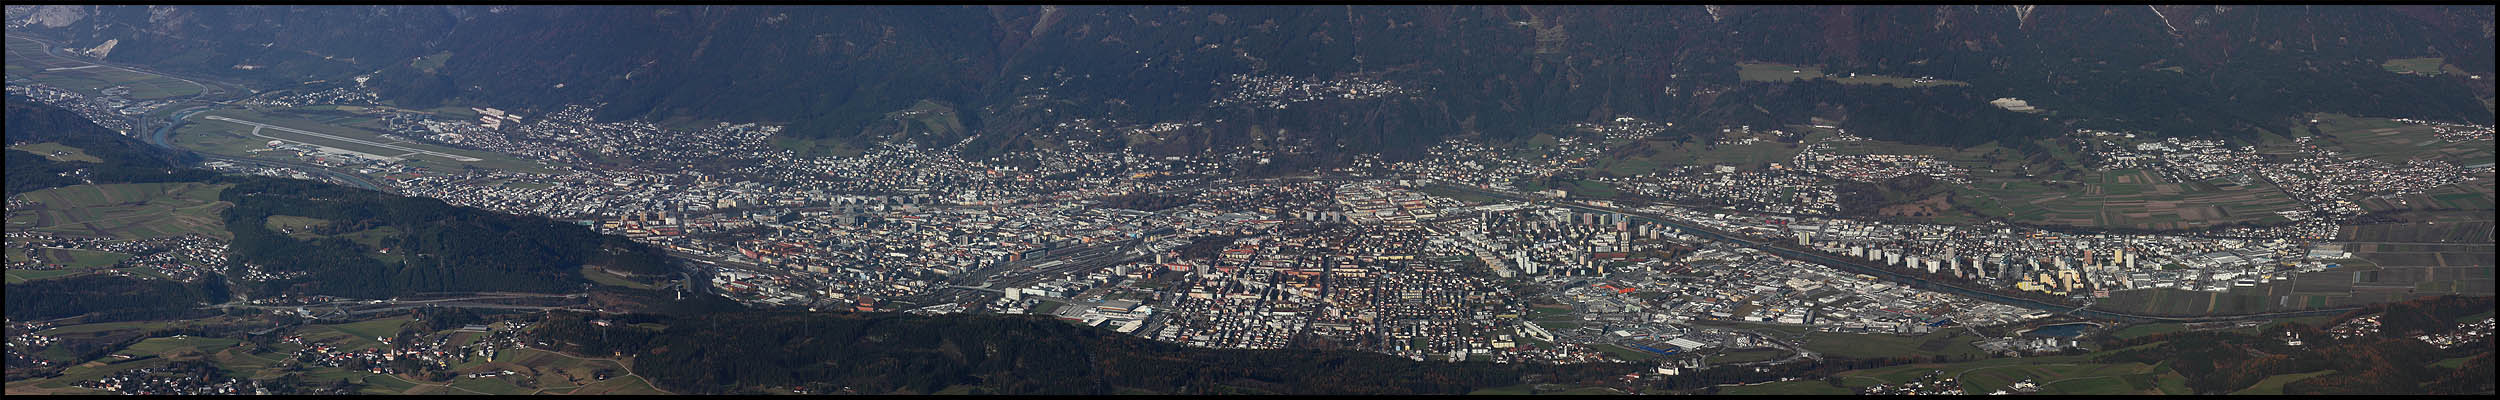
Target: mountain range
column 1001, row 78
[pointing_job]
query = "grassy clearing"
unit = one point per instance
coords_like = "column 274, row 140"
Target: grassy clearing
column 171, row 346
column 2426, row 66
column 431, row 62
column 1948, row 343
column 2072, row 374
column 57, row 152
column 602, row 277
column 388, row 327
column 1625, row 353
column 22, row 275
column 295, row 226
column 2273, row 385
column 2146, row 330
column 1654, row 155
column 1776, row 72
column 1796, row 387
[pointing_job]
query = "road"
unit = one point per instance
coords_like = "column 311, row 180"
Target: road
column 1948, row 287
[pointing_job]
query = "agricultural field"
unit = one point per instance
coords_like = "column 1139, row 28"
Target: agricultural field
column 57, row 152
column 124, row 211
column 2312, row 290
column 2128, row 199
column 27, row 61
column 1775, row 72
column 2394, row 142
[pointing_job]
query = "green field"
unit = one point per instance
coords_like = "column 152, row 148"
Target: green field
column 1796, row 387
column 2426, row 66
column 1752, row 355
column 2056, row 374
column 431, row 62
column 2127, row 198
column 1775, row 72
column 72, row 261
column 604, row 278
column 1949, row 343
column 2273, row 385
column 1655, row 155
column 1625, row 353
column 169, row 346
column 1545, row 389
column 2394, row 142
column 27, row 60
column 295, row 225
column 46, row 149
column 388, row 327
column 1460, row 195
column 2143, row 330
column 125, row 211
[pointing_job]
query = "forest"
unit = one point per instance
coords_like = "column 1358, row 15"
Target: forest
column 126, row 160
column 105, row 298
column 1498, row 72
column 745, row 352
column 436, row 246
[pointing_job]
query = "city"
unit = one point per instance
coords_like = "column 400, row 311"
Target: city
column 1707, row 266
